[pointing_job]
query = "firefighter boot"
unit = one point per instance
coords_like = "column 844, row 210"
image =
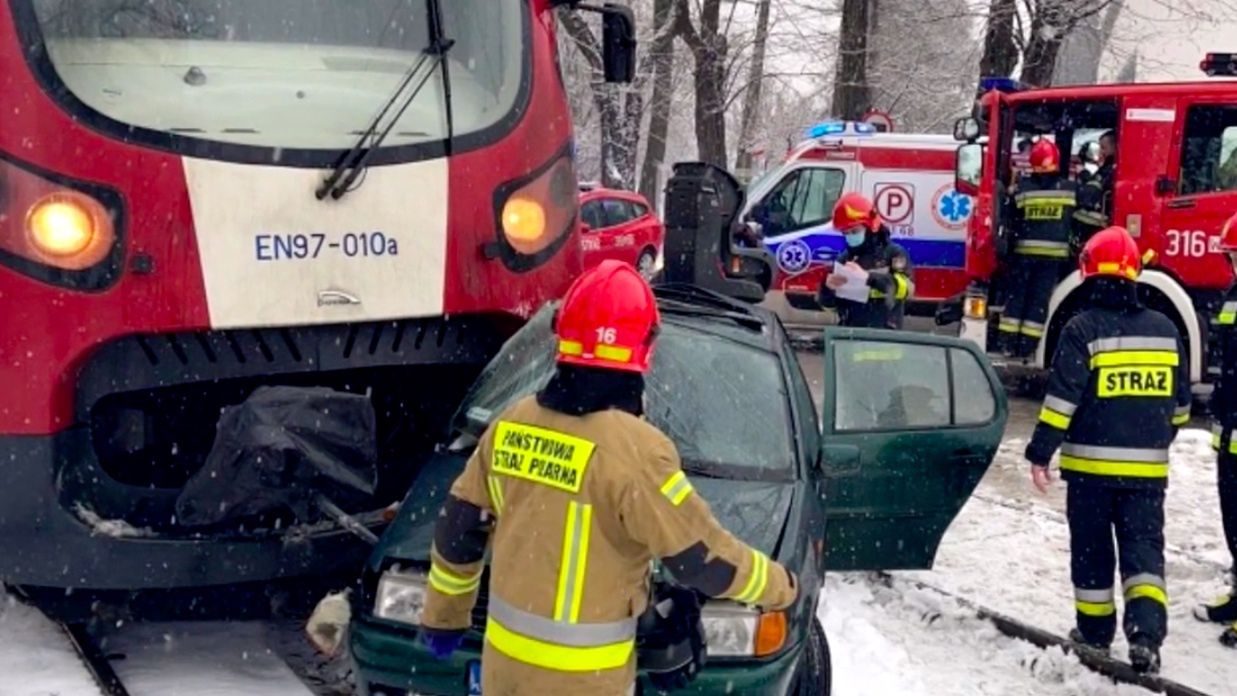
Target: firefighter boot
column 1229, row 637
column 1222, row 610
column 1144, row 655
column 1076, row 636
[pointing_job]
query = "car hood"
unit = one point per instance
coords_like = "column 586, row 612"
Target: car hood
column 754, row 511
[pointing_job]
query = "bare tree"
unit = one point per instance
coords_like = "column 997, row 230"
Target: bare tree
column 709, row 48
column 753, row 93
column 661, row 54
column 851, row 93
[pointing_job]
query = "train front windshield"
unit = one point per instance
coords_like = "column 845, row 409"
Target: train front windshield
column 278, row 74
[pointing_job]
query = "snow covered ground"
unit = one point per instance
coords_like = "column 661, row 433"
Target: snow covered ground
column 1008, row 550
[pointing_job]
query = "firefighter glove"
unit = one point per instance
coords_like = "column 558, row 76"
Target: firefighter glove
column 441, row 644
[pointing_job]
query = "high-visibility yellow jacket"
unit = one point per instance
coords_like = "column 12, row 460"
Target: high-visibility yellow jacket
column 576, row 507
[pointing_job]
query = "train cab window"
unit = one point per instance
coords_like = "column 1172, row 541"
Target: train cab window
column 805, row 198
column 1209, row 151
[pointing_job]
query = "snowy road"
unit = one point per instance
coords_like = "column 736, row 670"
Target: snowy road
column 1008, row 550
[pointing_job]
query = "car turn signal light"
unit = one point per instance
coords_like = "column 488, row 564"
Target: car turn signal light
column 770, row 633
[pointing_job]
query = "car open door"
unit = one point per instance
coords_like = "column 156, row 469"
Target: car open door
column 910, row 424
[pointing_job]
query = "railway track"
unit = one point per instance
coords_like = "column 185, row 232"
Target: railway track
column 1093, row 660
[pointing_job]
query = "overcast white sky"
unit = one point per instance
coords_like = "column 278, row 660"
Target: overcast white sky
column 1169, row 45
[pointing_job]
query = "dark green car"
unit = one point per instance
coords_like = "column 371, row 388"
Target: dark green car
column 911, row 423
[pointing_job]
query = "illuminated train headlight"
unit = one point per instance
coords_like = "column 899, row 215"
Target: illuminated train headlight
column 535, row 215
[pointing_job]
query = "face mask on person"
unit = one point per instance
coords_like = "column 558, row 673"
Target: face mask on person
column 855, row 236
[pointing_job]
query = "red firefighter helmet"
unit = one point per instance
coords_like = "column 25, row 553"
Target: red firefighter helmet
column 854, row 209
column 1045, row 158
column 1111, row 252
column 608, row 319
column 1228, row 235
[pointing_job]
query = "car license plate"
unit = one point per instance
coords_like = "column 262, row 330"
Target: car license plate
column 474, row 678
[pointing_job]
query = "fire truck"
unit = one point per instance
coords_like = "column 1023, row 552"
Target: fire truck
column 201, row 198
column 1173, row 185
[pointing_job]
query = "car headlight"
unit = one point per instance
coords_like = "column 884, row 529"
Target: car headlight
column 738, row 631
column 400, row 596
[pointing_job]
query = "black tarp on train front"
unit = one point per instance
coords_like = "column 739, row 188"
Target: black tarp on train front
column 278, row 449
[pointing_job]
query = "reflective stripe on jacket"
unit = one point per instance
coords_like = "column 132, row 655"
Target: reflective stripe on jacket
column 1118, row 391
column 578, row 508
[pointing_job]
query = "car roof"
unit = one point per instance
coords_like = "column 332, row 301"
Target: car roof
column 592, row 194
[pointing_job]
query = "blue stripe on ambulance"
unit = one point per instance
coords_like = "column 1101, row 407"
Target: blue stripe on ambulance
column 824, row 246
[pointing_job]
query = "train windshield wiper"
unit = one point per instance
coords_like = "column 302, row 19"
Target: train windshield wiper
column 351, row 164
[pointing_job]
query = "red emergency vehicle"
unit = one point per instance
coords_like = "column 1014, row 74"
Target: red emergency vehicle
column 1174, row 182
column 197, row 199
column 619, row 225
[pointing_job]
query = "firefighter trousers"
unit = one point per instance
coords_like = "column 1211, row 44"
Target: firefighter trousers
column 1031, row 282
column 1226, row 480
column 1136, row 516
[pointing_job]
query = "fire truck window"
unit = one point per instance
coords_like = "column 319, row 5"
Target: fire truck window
column 286, row 74
column 593, row 215
column 617, row 212
column 1208, row 159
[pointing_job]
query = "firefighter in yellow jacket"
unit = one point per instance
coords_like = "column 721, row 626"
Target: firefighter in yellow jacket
column 577, row 494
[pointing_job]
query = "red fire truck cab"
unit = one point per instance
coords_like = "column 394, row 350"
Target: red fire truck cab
column 1174, row 183
column 200, row 198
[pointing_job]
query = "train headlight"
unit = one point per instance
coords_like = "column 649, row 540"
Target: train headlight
column 58, row 230
column 61, row 225
column 535, row 215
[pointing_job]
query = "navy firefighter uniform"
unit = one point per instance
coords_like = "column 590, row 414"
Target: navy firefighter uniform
column 890, row 276
column 1045, row 203
column 1224, row 441
column 1118, row 391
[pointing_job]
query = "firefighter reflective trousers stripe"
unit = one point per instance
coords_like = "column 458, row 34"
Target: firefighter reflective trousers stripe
column 1031, row 282
column 1136, row 516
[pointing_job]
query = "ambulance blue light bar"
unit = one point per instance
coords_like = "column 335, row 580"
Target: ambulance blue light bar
column 1000, row 84
column 828, row 128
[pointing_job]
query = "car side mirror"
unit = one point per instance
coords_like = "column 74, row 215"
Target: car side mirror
column 584, row 228
column 619, row 43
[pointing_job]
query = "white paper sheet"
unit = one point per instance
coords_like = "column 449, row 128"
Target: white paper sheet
column 856, row 287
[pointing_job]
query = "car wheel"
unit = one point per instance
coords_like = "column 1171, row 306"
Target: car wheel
column 815, row 675
column 645, row 264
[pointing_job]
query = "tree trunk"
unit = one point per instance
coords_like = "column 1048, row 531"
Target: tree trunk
column 1000, row 55
column 1040, row 57
column 851, row 94
column 661, row 53
column 751, row 100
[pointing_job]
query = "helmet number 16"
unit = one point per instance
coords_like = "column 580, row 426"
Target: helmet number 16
column 606, row 335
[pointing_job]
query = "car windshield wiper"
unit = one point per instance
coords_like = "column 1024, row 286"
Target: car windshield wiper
column 351, row 164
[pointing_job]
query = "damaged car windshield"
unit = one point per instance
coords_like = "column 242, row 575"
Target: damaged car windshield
column 723, row 403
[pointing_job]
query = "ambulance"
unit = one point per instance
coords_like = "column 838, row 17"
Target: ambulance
column 910, row 179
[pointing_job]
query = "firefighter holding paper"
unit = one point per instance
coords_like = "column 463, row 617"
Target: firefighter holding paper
column 576, row 493
column 869, row 252
column 1118, row 391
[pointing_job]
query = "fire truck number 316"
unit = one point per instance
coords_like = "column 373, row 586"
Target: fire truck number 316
column 1193, row 243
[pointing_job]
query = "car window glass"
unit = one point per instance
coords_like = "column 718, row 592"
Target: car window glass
column 977, row 403
column 890, row 386
column 1209, row 150
column 593, row 214
column 701, row 392
column 617, row 212
column 639, row 210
